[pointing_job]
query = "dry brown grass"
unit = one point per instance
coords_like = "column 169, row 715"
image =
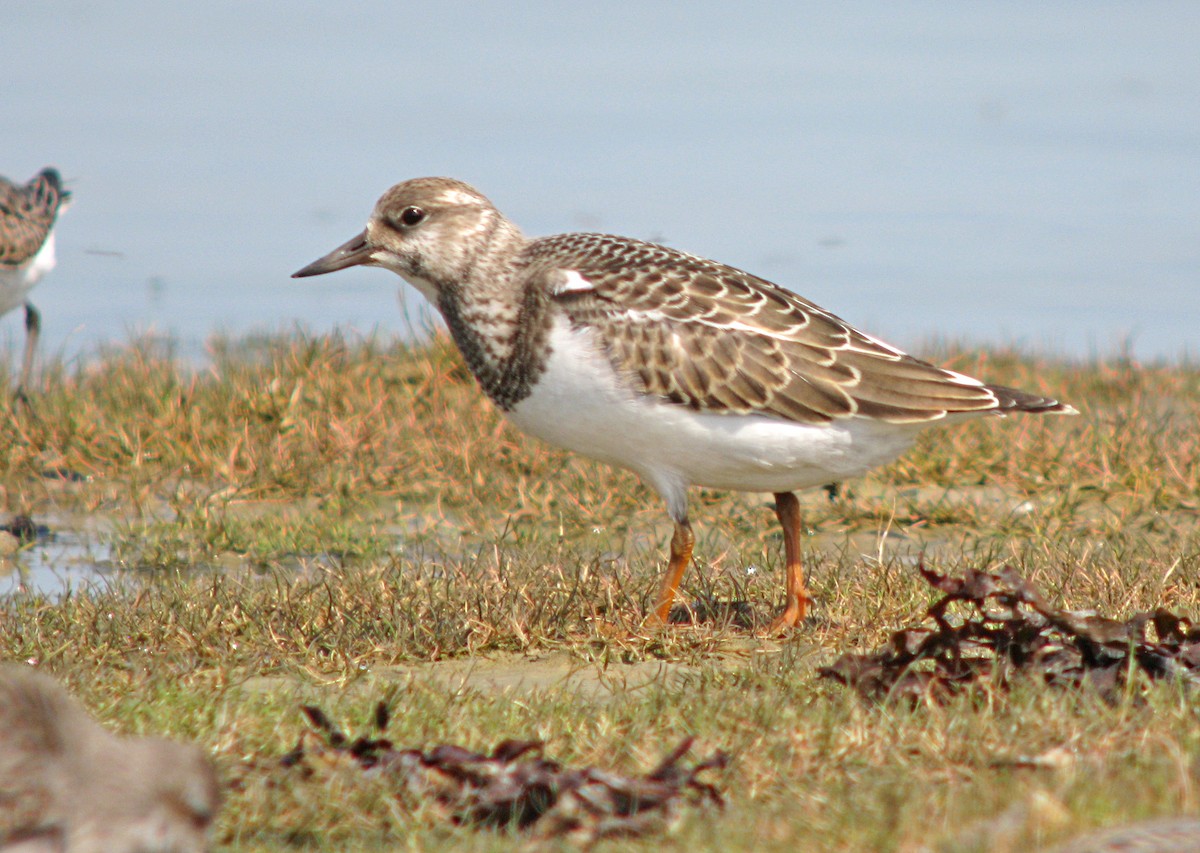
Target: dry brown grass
column 315, row 519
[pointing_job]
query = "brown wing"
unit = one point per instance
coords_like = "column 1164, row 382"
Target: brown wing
column 27, row 214
column 714, row 338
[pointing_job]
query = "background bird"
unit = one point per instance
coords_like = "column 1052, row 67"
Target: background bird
column 28, row 214
column 69, row 786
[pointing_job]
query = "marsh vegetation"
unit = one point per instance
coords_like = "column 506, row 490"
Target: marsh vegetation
column 338, row 522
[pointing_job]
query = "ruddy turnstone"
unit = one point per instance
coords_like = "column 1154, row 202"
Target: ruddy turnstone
column 27, row 217
column 66, row 784
column 682, row 369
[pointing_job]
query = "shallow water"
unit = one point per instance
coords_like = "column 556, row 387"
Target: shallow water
column 66, row 557
column 74, row 552
column 996, row 172
column 1001, row 173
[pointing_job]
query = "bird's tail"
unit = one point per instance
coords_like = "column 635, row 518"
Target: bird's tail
column 1012, row 400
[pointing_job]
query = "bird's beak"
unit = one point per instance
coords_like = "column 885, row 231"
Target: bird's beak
column 353, row 252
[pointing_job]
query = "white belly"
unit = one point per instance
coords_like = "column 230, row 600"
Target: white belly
column 579, row 405
column 16, row 282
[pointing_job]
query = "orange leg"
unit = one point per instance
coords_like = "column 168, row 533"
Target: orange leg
column 787, row 510
column 681, row 554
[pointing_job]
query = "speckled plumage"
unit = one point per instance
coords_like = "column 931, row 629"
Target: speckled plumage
column 685, row 370
column 714, row 338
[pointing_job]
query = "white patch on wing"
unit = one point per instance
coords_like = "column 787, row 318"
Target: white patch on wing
column 962, row 378
column 571, row 281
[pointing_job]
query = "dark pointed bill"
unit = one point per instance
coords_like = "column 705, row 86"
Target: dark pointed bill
column 353, row 252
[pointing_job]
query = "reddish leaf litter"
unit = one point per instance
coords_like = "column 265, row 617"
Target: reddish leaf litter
column 989, row 627
column 515, row 786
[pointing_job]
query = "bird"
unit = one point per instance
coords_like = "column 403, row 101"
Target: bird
column 682, row 369
column 28, row 214
column 67, row 785
column 1165, row 835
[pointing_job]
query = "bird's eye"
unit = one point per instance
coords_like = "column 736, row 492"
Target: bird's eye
column 412, row 215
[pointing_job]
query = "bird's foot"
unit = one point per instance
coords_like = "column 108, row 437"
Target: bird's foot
column 791, row 617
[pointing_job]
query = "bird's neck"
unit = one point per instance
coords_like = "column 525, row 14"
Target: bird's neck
column 498, row 320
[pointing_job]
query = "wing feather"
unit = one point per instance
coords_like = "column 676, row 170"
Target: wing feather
column 714, row 338
column 27, row 214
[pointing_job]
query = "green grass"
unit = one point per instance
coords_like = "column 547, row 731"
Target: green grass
column 334, row 522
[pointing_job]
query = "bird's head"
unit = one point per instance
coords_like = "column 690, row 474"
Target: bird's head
column 427, row 230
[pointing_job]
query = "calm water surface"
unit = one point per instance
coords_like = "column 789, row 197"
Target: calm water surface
column 1019, row 172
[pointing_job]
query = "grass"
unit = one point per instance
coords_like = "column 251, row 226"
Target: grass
column 334, row 522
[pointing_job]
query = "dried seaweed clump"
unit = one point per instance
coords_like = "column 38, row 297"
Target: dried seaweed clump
column 515, row 786
column 1009, row 628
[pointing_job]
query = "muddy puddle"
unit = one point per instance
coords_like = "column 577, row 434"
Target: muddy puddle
column 67, row 552
column 53, row 556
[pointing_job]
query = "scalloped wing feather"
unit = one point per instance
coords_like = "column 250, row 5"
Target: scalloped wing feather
column 717, row 339
column 27, row 213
